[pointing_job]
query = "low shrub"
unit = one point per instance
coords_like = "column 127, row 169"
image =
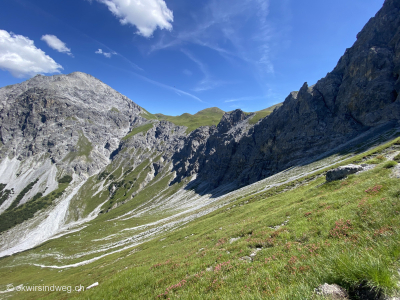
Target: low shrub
column 390, row 164
column 65, row 179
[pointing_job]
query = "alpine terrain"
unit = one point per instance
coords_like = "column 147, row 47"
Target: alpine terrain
column 96, row 191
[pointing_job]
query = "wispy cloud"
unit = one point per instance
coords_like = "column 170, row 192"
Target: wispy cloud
column 244, row 99
column 159, row 84
column 132, row 64
column 238, row 30
column 168, row 87
column 208, row 82
column 55, row 43
column 106, row 54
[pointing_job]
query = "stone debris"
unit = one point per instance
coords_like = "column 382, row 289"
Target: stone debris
column 254, row 253
column 280, row 225
column 332, row 291
column 246, row 258
column 232, row 240
column 342, row 172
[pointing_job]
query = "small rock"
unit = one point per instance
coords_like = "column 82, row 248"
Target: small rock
column 246, row 258
column 255, row 252
column 332, row 291
column 210, row 269
column 233, row 240
column 92, row 285
column 201, row 249
column 342, row 172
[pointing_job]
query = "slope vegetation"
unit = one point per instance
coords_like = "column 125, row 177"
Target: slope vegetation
column 277, row 239
column 205, row 117
column 261, row 114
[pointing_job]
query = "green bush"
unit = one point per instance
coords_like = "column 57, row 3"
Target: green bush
column 397, row 158
column 13, row 217
column 4, row 194
column 22, row 194
column 65, row 179
column 103, row 175
column 390, row 164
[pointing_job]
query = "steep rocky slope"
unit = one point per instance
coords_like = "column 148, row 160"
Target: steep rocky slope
column 52, row 127
column 361, row 93
column 73, row 149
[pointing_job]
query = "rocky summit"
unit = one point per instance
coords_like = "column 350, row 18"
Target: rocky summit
column 80, row 161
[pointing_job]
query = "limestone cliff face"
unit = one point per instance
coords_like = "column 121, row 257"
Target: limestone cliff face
column 362, row 92
column 58, row 125
column 75, row 120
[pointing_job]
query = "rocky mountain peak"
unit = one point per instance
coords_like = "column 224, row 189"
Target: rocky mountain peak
column 230, row 119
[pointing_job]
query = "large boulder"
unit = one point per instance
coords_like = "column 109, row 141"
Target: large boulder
column 342, row 172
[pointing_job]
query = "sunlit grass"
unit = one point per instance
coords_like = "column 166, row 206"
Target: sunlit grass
column 345, row 232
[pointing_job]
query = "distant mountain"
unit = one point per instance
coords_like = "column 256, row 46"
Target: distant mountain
column 261, row 114
column 205, row 117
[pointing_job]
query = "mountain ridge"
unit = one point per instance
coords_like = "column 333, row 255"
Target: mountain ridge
column 120, row 158
column 360, row 93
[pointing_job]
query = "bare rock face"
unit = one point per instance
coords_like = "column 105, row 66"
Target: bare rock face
column 342, row 172
column 360, row 94
column 51, row 126
column 75, row 120
column 208, row 151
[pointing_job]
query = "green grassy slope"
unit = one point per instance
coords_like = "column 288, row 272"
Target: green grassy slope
column 210, row 116
column 263, row 113
column 205, row 117
column 143, row 128
column 304, row 233
column 343, row 232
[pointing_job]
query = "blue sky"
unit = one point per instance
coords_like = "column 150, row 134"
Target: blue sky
column 176, row 56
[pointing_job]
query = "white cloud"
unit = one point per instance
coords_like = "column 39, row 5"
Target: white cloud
column 55, row 43
column 106, row 54
column 146, row 15
column 21, row 58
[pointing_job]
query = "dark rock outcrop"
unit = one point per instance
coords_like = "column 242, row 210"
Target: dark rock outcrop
column 342, row 172
column 361, row 93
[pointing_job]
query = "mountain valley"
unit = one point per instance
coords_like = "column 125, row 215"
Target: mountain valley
column 215, row 205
